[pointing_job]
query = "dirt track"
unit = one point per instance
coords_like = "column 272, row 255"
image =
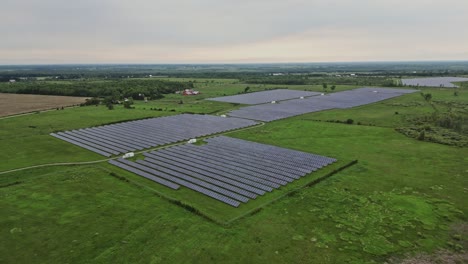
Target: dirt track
column 12, row 104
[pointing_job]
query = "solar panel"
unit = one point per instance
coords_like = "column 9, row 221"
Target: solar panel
column 257, row 163
column 182, row 182
column 230, row 170
column 242, row 177
column 275, row 154
column 265, row 179
column 265, row 162
column 84, row 142
column 137, row 135
column 215, row 168
column 229, row 190
column 345, row 99
column 98, row 151
column 182, row 179
column 96, row 141
column 264, row 96
column 146, row 175
column 124, row 144
column 147, row 133
column 272, row 176
column 127, row 139
column 205, row 169
column 446, row 82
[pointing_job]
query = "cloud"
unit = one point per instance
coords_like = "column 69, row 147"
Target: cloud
column 207, row 30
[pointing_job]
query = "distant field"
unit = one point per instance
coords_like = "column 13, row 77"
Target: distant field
column 12, row 104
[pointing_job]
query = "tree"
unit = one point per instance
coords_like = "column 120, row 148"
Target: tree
column 246, row 89
column 93, row 101
column 128, row 103
column 333, row 87
column 428, row 98
column 324, row 85
column 109, row 102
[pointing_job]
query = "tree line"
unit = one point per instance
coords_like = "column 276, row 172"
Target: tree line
column 309, row 80
column 126, row 88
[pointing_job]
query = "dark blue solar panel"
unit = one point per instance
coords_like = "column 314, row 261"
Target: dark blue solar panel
column 98, row 151
column 146, row 175
column 345, row 99
column 227, row 169
column 152, row 132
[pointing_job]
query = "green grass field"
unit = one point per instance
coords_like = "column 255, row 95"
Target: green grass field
column 404, row 196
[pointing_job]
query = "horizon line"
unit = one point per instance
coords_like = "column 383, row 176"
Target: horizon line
column 227, row 63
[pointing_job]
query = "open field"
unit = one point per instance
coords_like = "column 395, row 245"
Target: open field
column 403, row 197
column 12, row 104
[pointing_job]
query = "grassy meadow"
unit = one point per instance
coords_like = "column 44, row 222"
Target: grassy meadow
column 404, row 196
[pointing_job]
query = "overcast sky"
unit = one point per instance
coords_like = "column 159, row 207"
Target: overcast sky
column 221, row 31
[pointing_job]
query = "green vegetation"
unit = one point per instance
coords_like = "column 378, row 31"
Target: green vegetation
column 131, row 88
column 233, row 71
column 323, row 80
column 404, row 195
column 437, row 116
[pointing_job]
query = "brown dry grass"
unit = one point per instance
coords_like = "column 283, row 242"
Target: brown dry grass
column 459, row 233
column 440, row 257
column 12, row 104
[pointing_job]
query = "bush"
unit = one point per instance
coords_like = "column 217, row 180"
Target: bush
column 92, row 101
column 422, row 135
column 128, row 103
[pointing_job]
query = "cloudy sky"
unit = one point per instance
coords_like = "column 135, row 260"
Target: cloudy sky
column 228, row 31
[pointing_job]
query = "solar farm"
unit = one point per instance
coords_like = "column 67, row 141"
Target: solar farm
column 131, row 136
column 446, row 82
column 264, row 96
column 229, row 170
column 340, row 100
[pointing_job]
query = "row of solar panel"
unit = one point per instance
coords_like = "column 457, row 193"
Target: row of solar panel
column 446, row 82
column 264, row 96
column 345, row 99
column 230, row 170
column 125, row 137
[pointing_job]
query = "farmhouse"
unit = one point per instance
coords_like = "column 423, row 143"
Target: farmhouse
column 190, row 92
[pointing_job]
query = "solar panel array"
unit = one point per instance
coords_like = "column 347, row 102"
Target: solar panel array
column 434, row 81
column 229, row 170
column 131, row 136
column 264, row 96
column 345, row 99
